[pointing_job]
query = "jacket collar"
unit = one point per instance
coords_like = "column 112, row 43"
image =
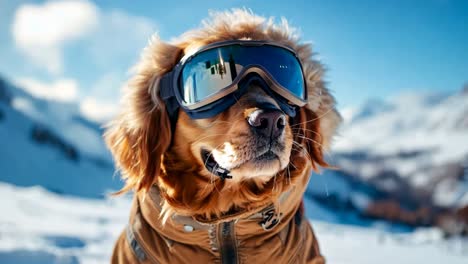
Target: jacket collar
column 156, row 201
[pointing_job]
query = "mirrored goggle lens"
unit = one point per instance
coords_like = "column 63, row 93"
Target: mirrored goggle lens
column 210, row 71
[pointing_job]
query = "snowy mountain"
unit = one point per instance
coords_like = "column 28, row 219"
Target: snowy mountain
column 56, row 170
column 408, row 152
column 405, row 160
column 49, row 143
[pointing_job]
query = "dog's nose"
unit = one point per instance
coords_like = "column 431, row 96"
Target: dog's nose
column 269, row 123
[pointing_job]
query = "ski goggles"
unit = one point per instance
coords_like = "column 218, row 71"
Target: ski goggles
column 212, row 79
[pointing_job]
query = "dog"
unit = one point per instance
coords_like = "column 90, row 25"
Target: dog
column 219, row 148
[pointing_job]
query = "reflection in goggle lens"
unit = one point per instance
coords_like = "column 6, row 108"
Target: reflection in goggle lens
column 210, row 71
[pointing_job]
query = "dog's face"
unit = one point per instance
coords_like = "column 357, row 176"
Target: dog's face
column 265, row 150
column 252, row 139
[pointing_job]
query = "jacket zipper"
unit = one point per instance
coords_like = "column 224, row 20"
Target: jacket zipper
column 227, row 243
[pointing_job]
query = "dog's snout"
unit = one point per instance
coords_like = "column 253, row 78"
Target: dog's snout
column 269, row 123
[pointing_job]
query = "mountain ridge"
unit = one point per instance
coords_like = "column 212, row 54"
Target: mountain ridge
column 51, row 144
column 410, row 156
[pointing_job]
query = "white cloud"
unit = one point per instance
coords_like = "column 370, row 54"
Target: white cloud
column 101, row 101
column 105, row 44
column 112, row 39
column 40, row 31
column 65, row 90
column 107, row 86
column 98, row 110
column 54, row 22
column 119, row 37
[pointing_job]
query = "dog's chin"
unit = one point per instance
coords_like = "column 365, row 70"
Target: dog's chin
column 262, row 167
column 258, row 168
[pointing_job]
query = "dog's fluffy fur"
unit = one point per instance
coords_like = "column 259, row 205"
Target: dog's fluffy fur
column 140, row 137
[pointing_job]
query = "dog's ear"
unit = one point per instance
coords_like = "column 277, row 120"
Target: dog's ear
column 141, row 134
column 314, row 131
column 138, row 139
column 318, row 121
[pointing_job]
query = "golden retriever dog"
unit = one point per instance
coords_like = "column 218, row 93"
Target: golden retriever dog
column 222, row 180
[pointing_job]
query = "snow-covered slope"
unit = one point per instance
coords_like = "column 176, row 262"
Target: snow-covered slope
column 436, row 124
column 37, row 226
column 50, row 144
column 41, row 227
column 54, row 165
column 409, row 153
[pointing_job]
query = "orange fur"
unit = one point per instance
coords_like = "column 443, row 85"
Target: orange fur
column 140, row 137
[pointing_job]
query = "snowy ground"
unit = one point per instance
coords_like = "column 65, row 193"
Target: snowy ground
column 350, row 244
column 37, row 226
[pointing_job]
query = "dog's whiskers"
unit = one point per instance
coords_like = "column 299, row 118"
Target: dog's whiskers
column 300, row 148
column 205, row 137
column 305, row 129
column 274, row 183
column 314, row 119
column 313, row 141
column 216, row 122
column 215, row 135
column 292, row 164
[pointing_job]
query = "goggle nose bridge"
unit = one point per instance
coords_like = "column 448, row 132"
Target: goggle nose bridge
column 252, row 77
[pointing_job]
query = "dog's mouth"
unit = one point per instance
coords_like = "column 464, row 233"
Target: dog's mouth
column 212, row 166
column 225, row 173
column 267, row 156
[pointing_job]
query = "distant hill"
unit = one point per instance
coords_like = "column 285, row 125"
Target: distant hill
column 49, row 143
column 404, row 159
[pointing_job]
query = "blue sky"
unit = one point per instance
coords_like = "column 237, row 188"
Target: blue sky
column 371, row 48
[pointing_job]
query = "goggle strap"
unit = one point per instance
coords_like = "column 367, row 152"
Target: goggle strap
column 166, row 92
column 166, row 86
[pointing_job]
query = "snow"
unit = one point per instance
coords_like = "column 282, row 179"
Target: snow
column 419, row 139
column 25, row 106
column 451, row 193
column 408, row 122
column 37, row 226
column 25, row 162
column 327, row 183
column 347, row 245
column 88, row 171
column 60, row 117
column 360, row 200
column 55, row 209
